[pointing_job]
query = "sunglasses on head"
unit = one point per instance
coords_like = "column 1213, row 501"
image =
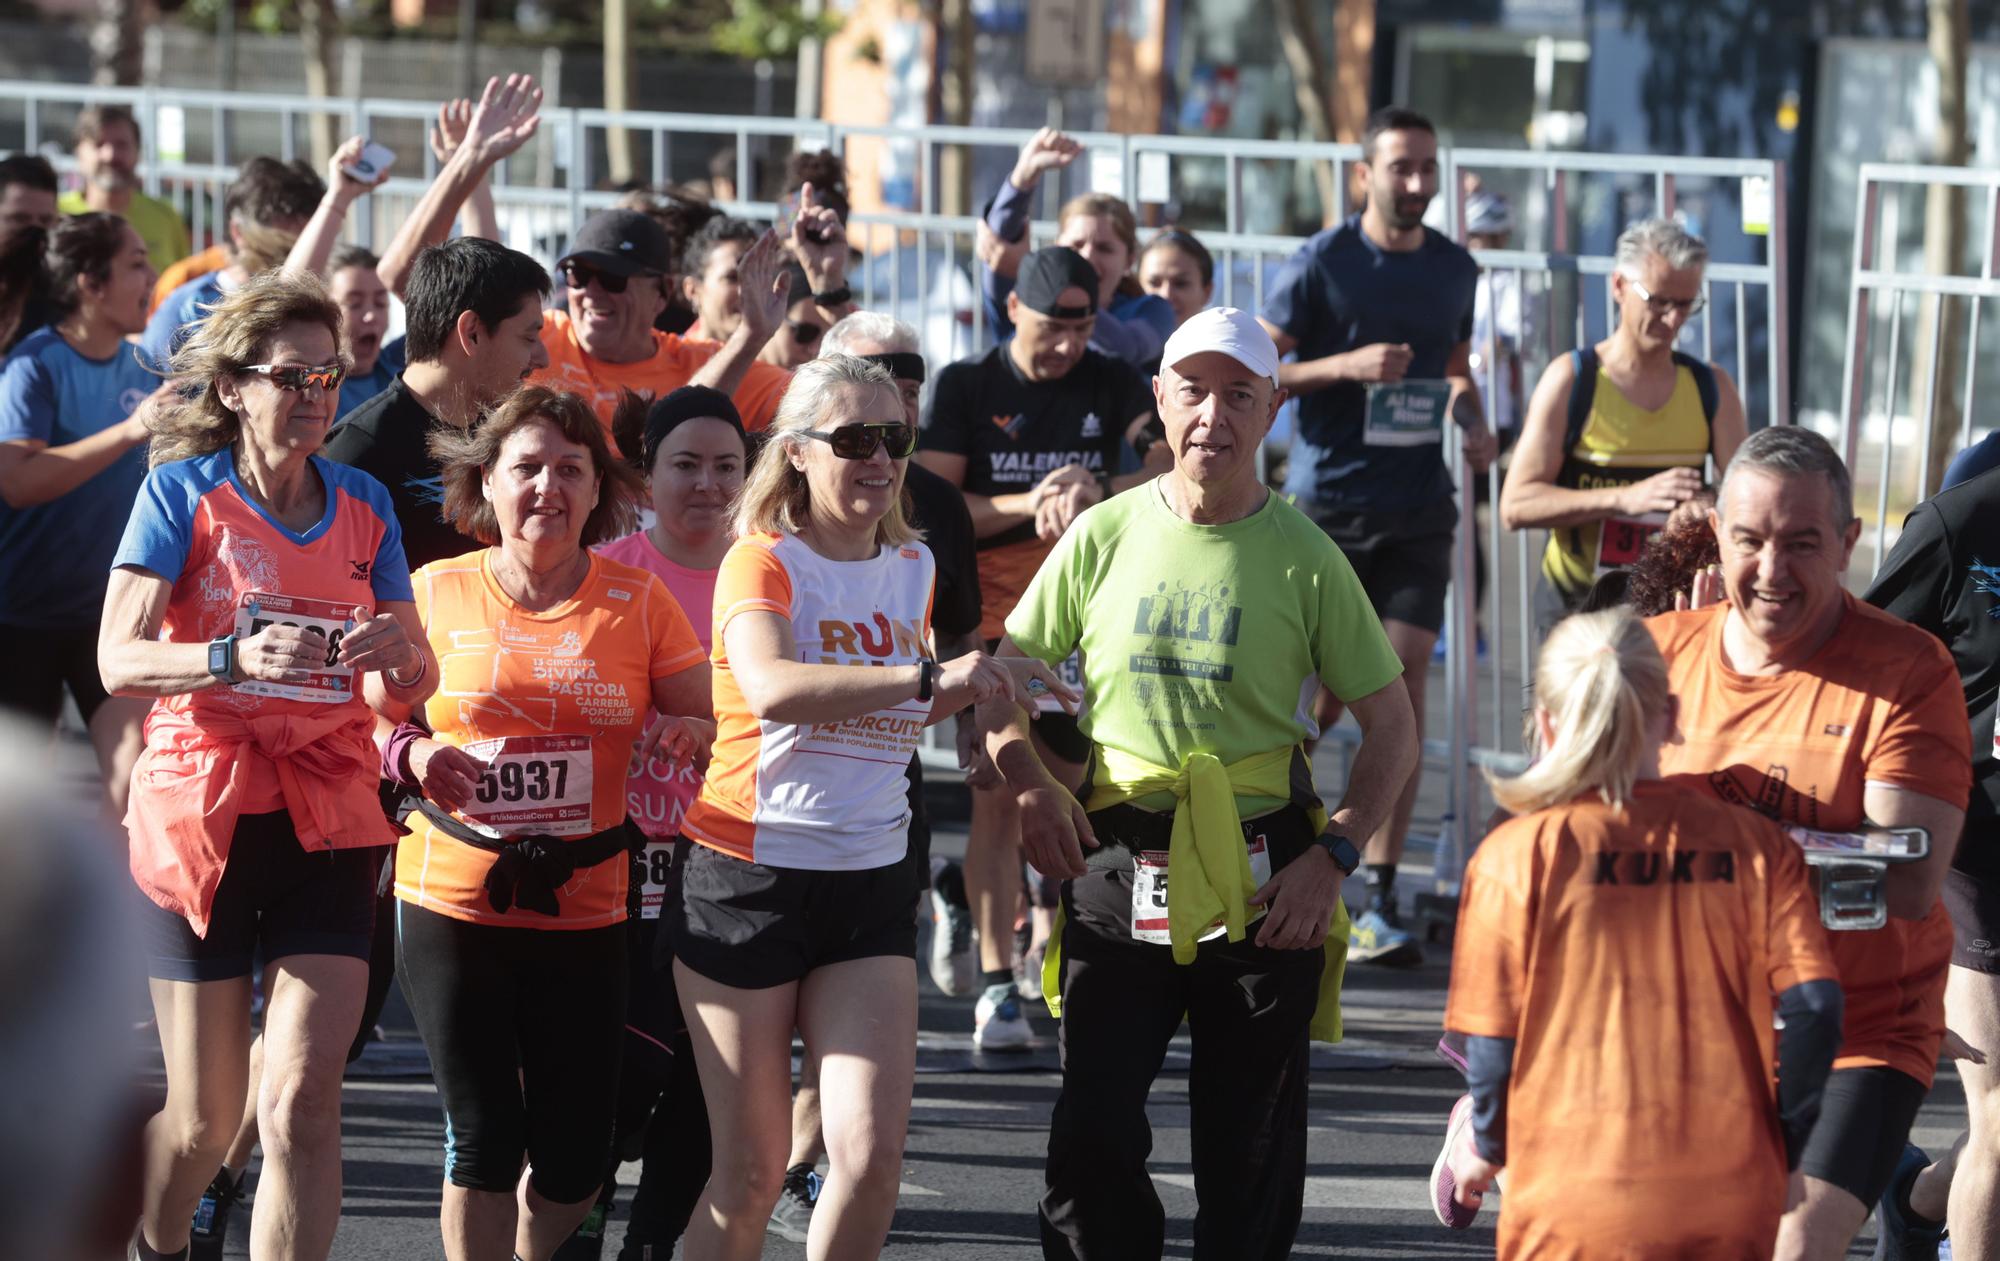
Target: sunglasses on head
column 288, row 376
column 579, row 276
column 858, row 442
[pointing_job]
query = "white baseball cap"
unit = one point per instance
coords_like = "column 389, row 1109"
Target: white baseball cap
column 1224, row 328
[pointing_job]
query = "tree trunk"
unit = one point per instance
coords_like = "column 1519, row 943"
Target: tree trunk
column 955, row 85
column 318, row 28
column 1944, row 245
column 118, row 43
column 1311, row 87
column 618, row 85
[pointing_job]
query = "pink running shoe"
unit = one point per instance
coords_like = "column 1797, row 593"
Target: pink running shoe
column 1444, row 1198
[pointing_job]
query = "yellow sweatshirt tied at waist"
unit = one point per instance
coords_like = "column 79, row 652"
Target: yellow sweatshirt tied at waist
column 1208, row 866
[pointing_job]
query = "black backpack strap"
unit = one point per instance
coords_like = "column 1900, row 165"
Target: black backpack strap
column 1704, row 383
column 1582, row 393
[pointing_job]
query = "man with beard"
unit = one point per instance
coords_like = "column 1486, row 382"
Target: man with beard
column 107, row 149
column 1379, row 310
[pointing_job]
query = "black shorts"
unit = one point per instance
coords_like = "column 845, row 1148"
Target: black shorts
column 274, row 897
column 1402, row 558
column 1864, row 1120
column 1974, row 904
column 41, row 663
column 751, row 926
column 526, row 1033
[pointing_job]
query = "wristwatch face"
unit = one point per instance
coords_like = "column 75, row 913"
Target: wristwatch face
column 218, row 658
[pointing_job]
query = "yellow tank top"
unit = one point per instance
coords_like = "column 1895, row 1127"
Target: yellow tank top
column 1622, row 443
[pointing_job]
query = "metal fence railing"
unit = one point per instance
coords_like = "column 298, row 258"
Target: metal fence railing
column 917, row 264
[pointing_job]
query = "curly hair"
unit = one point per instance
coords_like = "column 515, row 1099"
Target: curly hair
column 233, row 334
column 1667, row 565
column 467, row 455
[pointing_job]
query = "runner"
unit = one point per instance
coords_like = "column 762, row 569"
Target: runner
column 266, row 208
column 1611, row 898
column 937, row 509
column 694, row 451
column 1205, row 607
column 107, row 152
column 1178, row 269
column 1937, row 577
column 795, row 904
column 1034, row 432
column 680, row 213
column 1132, row 324
column 27, row 212
column 1379, row 310
column 511, row 939
column 364, row 307
column 710, row 280
column 256, row 589
column 1801, row 702
column 27, row 193
column 74, row 406
column 1617, row 433
column 387, row 439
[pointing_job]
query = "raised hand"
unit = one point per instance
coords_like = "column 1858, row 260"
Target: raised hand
column 454, row 119
column 760, row 274
column 819, row 240
column 1047, row 150
column 343, row 188
column 507, row 117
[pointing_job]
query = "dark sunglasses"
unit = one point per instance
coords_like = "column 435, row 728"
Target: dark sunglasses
column 579, row 276
column 293, row 377
column 805, row 334
column 858, row 442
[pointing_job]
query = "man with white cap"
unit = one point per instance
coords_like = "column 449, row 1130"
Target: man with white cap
column 1202, row 874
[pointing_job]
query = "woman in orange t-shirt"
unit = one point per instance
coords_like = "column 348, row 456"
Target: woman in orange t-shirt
column 511, row 885
column 1620, row 943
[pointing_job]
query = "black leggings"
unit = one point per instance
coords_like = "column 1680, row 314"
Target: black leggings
column 525, row 1029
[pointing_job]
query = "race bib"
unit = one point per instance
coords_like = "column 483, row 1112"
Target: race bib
column 1621, row 539
column 539, row 785
column 1071, row 672
column 1405, row 413
column 1149, row 893
column 328, row 683
column 654, row 865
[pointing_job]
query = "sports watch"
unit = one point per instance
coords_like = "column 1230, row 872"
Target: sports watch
column 926, row 679
column 1340, row 850
column 222, row 658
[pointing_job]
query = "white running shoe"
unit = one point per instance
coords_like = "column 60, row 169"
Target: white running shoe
column 951, row 946
column 998, row 1024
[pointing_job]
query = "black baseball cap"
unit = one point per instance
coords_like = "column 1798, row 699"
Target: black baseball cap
column 1047, row 272
column 622, row 242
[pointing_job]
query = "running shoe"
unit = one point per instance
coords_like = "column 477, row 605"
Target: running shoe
column 1444, row 1188
column 1902, row 1236
column 1028, row 973
column 792, row 1216
column 998, row 1023
column 1373, row 939
column 211, row 1216
column 951, row 946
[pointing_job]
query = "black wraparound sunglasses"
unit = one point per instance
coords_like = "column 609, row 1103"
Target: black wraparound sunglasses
column 858, row 442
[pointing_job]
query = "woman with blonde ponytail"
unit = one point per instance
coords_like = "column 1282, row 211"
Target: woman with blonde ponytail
column 1623, row 944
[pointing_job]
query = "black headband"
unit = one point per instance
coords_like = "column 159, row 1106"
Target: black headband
column 1060, row 312
column 690, row 402
column 904, row 365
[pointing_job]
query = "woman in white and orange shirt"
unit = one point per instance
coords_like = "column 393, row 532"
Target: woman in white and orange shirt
column 512, row 883
column 795, row 905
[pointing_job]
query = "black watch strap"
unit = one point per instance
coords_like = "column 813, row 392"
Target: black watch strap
column 1340, row 850
column 835, row 297
column 926, row 679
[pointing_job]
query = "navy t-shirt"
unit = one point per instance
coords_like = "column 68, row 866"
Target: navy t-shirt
column 1342, row 291
column 361, row 387
column 174, row 321
column 55, row 558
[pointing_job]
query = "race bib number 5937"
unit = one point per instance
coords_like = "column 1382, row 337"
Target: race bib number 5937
column 534, row 785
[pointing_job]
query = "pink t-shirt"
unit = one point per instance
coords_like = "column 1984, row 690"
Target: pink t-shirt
column 657, row 798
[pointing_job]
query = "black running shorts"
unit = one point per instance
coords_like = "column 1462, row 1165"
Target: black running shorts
column 1403, row 559
column 1974, row 904
column 1864, row 1120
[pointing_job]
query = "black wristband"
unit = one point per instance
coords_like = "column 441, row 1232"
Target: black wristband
column 835, row 297
column 926, row 678
column 1340, row 850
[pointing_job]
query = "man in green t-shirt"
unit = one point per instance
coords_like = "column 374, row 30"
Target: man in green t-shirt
column 1209, row 612
column 107, row 151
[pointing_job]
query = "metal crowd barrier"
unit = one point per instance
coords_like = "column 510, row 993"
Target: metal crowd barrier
column 1873, row 427
column 919, row 267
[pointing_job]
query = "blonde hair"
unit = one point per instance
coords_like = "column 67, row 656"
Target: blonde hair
column 1600, row 678
column 234, row 333
column 776, row 498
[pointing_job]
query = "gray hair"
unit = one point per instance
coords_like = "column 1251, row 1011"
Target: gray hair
column 894, row 336
column 1673, row 244
column 1794, row 451
column 775, row 498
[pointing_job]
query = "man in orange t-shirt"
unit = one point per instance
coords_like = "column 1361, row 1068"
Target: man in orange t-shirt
column 615, row 274
column 1800, row 702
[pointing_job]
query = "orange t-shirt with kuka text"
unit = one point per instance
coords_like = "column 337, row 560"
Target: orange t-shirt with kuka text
column 672, row 364
column 1878, row 703
column 1634, row 954
column 551, row 701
